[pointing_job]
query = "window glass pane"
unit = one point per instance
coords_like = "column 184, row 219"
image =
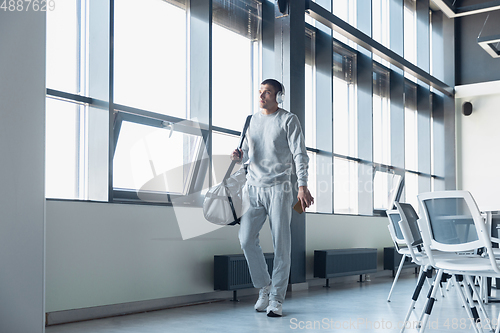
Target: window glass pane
column 310, row 90
column 63, row 47
column 236, row 23
column 344, row 106
column 381, row 118
column 345, row 196
column 411, row 189
column 321, row 170
column 222, row 147
column 62, row 149
column 345, row 10
column 411, row 134
column 150, row 56
column 437, row 184
column 410, row 30
column 312, row 182
column 153, row 159
column 385, row 188
column 380, row 25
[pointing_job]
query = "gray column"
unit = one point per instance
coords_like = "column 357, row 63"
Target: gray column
column 449, row 142
column 22, row 171
column 289, row 53
column 437, row 56
column 449, row 103
column 438, row 132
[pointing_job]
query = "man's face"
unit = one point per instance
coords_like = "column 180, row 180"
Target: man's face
column 267, row 97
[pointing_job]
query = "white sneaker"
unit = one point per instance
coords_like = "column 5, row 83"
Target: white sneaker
column 263, row 301
column 274, row 309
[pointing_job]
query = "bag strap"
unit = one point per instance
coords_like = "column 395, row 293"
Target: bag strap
column 242, row 138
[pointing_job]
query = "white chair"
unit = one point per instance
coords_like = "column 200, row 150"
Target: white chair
column 409, row 229
column 399, row 244
column 452, row 224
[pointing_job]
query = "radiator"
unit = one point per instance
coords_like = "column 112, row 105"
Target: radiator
column 231, row 271
column 344, row 262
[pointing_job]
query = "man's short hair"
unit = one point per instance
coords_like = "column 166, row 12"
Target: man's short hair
column 275, row 84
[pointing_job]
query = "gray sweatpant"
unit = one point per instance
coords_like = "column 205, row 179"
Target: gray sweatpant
column 275, row 202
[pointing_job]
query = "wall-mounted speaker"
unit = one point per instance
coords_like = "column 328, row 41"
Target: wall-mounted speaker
column 467, row 108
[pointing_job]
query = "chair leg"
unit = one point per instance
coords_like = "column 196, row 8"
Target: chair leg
column 461, row 295
column 498, row 324
column 479, row 294
column 431, row 284
column 479, row 302
column 396, row 277
column 448, row 284
column 421, row 280
column 431, row 300
column 441, row 290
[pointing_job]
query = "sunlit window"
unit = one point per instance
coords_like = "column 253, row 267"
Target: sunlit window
column 345, row 10
column 381, row 117
column 411, row 189
column 155, row 159
column 410, row 33
column 345, row 135
column 345, row 185
column 150, row 56
column 380, row 25
column 386, row 185
column 345, row 132
column 65, row 52
column 310, row 90
column 222, row 145
column 62, row 149
column 411, row 133
column 235, row 61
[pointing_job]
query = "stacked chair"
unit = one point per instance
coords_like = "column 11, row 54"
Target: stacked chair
column 400, row 245
column 453, row 238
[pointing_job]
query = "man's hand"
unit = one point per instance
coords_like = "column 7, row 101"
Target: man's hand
column 237, row 155
column 305, row 197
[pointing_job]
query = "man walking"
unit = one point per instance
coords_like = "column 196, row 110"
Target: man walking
column 273, row 144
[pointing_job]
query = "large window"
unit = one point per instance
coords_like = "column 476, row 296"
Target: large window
column 235, row 69
column 411, row 144
column 381, row 117
column 65, row 48
column 410, row 30
column 148, row 74
column 149, row 109
column 380, row 25
column 158, row 147
column 346, row 10
column 345, row 134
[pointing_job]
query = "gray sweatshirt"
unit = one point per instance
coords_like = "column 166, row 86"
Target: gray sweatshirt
column 273, row 142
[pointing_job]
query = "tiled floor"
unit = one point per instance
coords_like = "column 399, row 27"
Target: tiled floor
column 346, row 307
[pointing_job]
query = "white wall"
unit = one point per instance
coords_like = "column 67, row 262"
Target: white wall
column 478, row 140
column 22, row 151
column 102, row 254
